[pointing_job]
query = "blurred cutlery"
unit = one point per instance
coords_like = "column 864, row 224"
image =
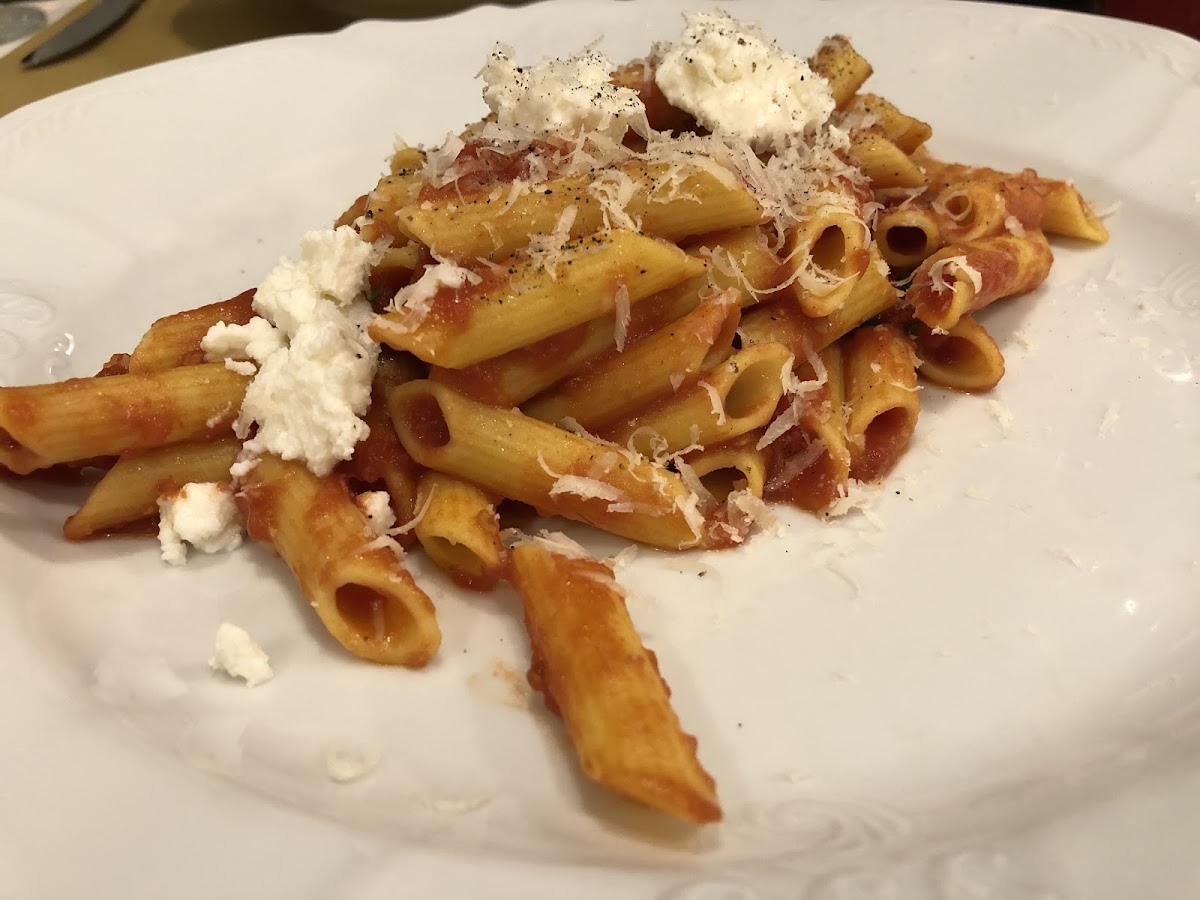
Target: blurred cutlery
column 91, row 26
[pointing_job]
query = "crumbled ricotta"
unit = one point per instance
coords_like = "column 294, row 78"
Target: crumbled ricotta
column 201, row 514
column 238, row 655
column 560, row 95
column 315, row 360
column 257, row 339
column 735, row 79
column 377, row 507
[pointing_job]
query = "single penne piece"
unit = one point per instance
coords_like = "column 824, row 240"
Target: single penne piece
column 175, row 340
column 406, row 160
column 559, row 473
column 614, row 386
column 83, row 418
column 394, row 192
column 963, row 278
column 840, row 64
column 458, row 528
column 379, row 459
column 827, row 251
column 1063, row 211
column 511, row 379
column 801, row 334
column 964, row 357
column 524, row 304
column 129, row 491
column 885, row 164
column 809, row 465
column 740, row 259
column 734, row 466
column 591, row 665
column 738, row 396
column 903, row 130
column 362, row 592
column 656, row 199
column 882, row 396
column 352, row 213
column 1067, row 214
column 907, row 234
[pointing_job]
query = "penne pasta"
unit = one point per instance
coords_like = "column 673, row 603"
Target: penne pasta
column 503, row 312
column 839, row 63
column 828, row 251
column 656, row 199
column 740, row 259
column 592, row 668
column 903, row 130
column 885, row 164
column 394, row 192
column 83, row 418
column 1062, row 211
column 736, row 466
column 174, row 340
column 128, row 493
column 784, row 323
column 906, row 235
column 964, row 358
column 363, row 594
column 963, row 278
column 1069, row 215
column 882, row 397
column 738, row 396
column 809, row 465
column 516, row 376
column 458, row 528
column 556, row 472
column 622, row 382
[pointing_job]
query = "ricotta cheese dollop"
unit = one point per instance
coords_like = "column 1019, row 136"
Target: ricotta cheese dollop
column 315, row 359
column 558, row 96
column 738, row 81
column 239, row 656
column 201, row 514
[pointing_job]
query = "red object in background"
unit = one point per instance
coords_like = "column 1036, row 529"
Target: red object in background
column 1180, row 15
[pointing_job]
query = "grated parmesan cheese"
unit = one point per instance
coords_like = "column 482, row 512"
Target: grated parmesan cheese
column 1111, row 415
column 1004, row 416
column 718, row 407
column 621, row 326
column 937, row 273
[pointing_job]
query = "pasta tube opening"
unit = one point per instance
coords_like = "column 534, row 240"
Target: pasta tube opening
column 426, row 421
column 754, row 388
column 908, row 241
column 829, row 252
column 966, row 358
column 371, row 615
column 883, row 442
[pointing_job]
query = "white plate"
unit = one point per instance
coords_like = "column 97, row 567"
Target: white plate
column 991, row 694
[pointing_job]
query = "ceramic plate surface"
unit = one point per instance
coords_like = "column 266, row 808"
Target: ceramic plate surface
column 987, row 688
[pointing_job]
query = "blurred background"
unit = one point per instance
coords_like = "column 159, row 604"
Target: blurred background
column 157, row 30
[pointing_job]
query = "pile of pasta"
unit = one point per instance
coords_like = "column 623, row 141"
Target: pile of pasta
column 653, row 338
